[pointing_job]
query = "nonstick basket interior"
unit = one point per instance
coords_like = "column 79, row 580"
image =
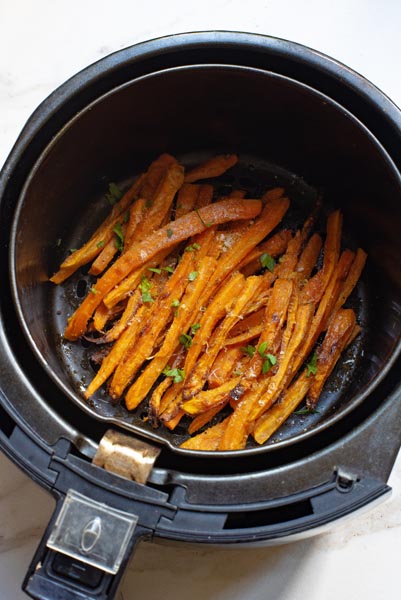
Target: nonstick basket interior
column 285, row 134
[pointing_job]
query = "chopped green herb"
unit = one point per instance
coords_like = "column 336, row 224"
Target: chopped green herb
column 100, row 244
column 186, row 340
column 195, row 327
column 262, row 349
column 154, row 270
column 249, row 350
column 267, row 261
column 126, row 217
column 169, row 233
column 119, row 241
column 168, row 269
column 306, row 411
column 114, row 193
column 145, row 286
column 175, row 303
column 193, row 275
column 269, row 362
column 192, row 248
column 177, row 374
column 311, row 367
column 237, row 372
column 93, row 290
column 72, row 250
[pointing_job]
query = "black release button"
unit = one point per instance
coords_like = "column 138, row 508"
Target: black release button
column 71, row 568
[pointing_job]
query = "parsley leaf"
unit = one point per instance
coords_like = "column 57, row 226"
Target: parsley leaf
column 311, row 367
column 269, row 362
column 154, row 270
column 177, row 374
column 93, row 290
column 262, row 349
column 175, row 303
column 119, row 241
column 114, row 194
column 145, row 286
column 169, row 233
column 193, row 275
column 168, row 269
column 267, row 261
column 186, row 340
column 249, row 350
column 195, row 327
column 100, row 244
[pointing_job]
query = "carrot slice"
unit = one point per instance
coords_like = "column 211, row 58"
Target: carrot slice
column 199, row 373
column 204, row 418
column 211, row 168
column 271, row 420
column 208, row 440
column 209, row 398
column 337, row 336
column 139, row 253
column 147, row 378
column 158, row 317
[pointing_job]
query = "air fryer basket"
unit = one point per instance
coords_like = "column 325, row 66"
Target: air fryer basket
column 292, row 120
column 284, row 132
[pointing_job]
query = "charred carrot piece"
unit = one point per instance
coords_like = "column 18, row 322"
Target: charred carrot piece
column 335, row 340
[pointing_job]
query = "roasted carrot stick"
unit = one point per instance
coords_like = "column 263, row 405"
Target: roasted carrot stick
column 139, row 253
column 208, row 440
column 184, row 312
column 102, row 235
column 211, row 168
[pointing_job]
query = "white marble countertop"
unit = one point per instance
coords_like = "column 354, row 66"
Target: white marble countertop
column 42, row 43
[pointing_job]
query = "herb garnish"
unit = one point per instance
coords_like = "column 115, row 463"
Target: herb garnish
column 269, row 360
column 168, row 269
column 177, row 374
column 267, row 261
column 311, row 367
column 145, row 286
column 100, row 244
column 192, row 248
column 249, row 350
column 93, row 290
column 193, row 275
column 169, row 233
column 195, row 328
column 119, row 241
column 114, row 194
column 186, row 340
column 155, row 270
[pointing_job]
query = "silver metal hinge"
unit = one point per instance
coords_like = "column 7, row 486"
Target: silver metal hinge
column 126, row 456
